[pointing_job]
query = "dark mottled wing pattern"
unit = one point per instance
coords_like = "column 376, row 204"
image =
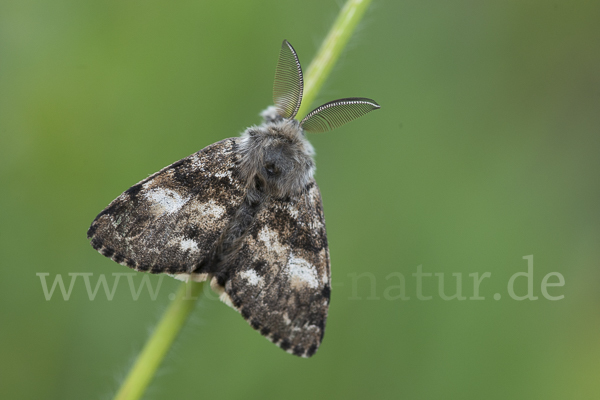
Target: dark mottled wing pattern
column 170, row 221
column 280, row 278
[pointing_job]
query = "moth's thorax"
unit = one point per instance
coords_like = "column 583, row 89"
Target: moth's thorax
column 276, row 158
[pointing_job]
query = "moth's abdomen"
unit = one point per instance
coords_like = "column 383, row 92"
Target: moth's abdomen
column 171, row 221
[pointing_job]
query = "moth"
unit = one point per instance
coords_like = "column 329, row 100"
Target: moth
column 244, row 213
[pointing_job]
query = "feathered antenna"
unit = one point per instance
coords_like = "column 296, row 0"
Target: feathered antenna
column 287, row 96
column 289, row 83
column 336, row 113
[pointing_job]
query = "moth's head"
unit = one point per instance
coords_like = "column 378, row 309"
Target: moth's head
column 276, row 158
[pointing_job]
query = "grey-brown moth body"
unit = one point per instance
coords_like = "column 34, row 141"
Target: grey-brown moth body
column 244, row 213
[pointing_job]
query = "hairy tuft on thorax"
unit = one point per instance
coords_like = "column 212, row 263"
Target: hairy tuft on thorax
column 277, row 160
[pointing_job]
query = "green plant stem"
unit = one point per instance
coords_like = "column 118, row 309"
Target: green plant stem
column 330, row 50
column 174, row 318
column 158, row 345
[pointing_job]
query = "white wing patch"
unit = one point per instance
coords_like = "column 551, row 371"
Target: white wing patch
column 252, row 277
column 166, row 200
column 291, row 208
column 211, row 209
column 271, row 240
column 301, row 272
column 224, row 174
column 188, row 244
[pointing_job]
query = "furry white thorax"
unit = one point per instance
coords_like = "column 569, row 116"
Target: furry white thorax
column 276, row 157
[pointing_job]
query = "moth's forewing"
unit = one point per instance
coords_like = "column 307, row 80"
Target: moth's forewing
column 170, row 221
column 279, row 280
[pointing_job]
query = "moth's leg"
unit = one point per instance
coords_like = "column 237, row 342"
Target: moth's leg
column 271, row 114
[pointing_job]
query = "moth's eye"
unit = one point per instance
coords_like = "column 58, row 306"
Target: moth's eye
column 271, row 169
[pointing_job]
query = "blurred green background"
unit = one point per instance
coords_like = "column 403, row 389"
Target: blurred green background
column 486, row 150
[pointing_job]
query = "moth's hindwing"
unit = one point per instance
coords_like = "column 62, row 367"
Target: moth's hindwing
column 170, row 221
column 279, row 280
